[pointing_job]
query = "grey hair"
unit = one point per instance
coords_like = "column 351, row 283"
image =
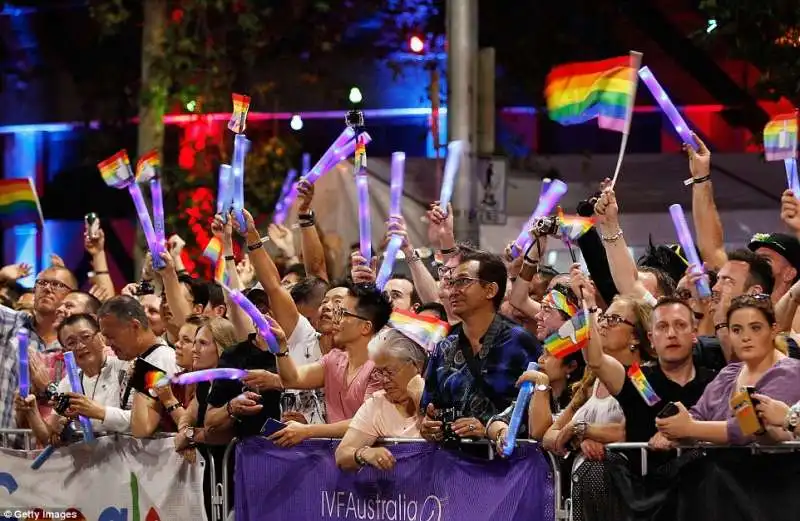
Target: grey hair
column 393, row 343
column 125, row 309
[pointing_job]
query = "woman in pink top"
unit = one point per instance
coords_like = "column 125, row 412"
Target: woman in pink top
column 390, row 413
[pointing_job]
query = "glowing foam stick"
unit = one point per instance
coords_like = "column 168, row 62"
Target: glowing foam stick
column 224, row 191
column 208, row 375
column 241, row 145
column 364, row 226
column 147, row 170
column 524, row 395
column 791, row 176
column 261, row 323
column 23, row 340
column 385, row 273
column 454, row 152
column 74, row 378
column 331, row 156
column 687, row 243
column 667, row 107
column 281, row 208
column 43, row 456
column 547, row 202
column 396, row 187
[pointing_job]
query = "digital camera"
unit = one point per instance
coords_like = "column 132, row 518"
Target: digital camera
column 448, row 416
column 546, row 226
column 145, row 287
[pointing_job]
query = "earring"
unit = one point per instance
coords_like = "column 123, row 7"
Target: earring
column 632, row 348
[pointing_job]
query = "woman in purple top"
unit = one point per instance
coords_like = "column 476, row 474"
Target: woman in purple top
column 751, row 322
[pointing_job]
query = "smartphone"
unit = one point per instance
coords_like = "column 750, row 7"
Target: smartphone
column 92, row 222
column 745, row 413
column 750, row 392
column 668, row 411
column 272, row 426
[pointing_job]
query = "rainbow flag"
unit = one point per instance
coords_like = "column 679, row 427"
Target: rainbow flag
column 213, row 250
column 641, row 384
column 151, row 378
column 572, row 227
column 780, row 137
column 238, row 121
column 556, row 299
column 570, row 338
column 425, row 331
column 116, row 170
column 605, row 90
column 19, row 203
column 147, row 166
column 221, row 273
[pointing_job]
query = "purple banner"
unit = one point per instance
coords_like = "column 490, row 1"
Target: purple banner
column 427, row 484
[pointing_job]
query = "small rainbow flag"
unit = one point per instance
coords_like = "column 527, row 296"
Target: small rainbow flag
column 147, row 167
column 213, row 250
column 151, row 378
column 559, row 301
column 641, row 384
column 221, row 273
column 116, row 170
column 570, row 338
column 238, row 121
column 579, row 92
column 572, row 227
column 424, row 330
column 780, row 137
column 19, row 203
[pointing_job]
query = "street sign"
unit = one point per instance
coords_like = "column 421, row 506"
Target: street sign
column 492, row 187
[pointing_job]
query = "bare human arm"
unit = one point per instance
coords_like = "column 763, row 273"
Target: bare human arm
column 707, row 224
column 423, row 281
column 310, row 242
column 224, row 232
column 96, row 247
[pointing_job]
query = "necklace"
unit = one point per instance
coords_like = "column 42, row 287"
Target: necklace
column 96, row 382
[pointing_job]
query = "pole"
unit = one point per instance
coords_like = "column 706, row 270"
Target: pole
column 462, row 45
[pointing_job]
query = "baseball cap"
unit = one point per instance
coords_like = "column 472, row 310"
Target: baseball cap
column 782, row 244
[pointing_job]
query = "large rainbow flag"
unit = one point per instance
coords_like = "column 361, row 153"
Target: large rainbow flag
column 605, row 90
column 19, row 203
column 426, row 331
column 780, row 137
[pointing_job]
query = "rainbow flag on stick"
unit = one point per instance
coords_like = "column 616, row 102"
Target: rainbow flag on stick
column 570, row 338
column 19, row 203
column 780, row 138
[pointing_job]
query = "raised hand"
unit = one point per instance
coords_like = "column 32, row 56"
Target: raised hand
column 305, row 196
column 95, row 246
column 281, row 236
column 699, row 160
column 790, row 210
column 362, row 271
column 249, row 223
column 175, row 245
column 14, row 272
column 440, row 226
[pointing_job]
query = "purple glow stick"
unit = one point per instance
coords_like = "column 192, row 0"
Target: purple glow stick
column 668, row 107
column 157, row 196
column 306, row 164
column 23, row 340
column 74, row 379
column 545, row 186
column 556, row 189
column 791, row 175
column 454, row 152
column 208, row 375
column 147, row 226
column 396, row 187
column 385, row 273
column 261, row 323
column 241, row 146
column 364, row 226
column 687, row 243
column 281, row 208
column 224, row 192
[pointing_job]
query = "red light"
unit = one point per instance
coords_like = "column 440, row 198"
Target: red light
column 416, row 44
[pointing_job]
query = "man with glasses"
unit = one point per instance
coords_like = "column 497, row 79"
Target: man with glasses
column 52, row 285
column 472, row 373
column 346, row 374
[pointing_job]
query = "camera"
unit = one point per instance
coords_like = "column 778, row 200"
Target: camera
column 448, row 416
column 354, row 118
column 145, row 287
column 586, row 207
column 546, row 226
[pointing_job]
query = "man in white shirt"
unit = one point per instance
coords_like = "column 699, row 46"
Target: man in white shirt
column 124, row 324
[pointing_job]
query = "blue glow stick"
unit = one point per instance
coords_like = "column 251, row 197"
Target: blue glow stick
column 241, row 146
column 23, row 340
column 385, row 273
column 791, row 175
column 74, row 379
column 281, row 208
column 42, row 457
column 667, row 107
column 454, row 152
column 687, row 243
column 524, row 395
column 555, row 190
column 224, row 192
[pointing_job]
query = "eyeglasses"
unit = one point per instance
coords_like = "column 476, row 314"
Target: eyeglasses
column 83, row 339
column 387, row 373
column 683, row 294
column 614, row 320
column 461, row 283
column 339, row 313
column 55, row 285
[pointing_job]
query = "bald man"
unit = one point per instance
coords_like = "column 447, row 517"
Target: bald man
column 52, row 285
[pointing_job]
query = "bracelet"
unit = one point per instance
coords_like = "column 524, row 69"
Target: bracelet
column 449, row 251
column 307, row 224
column 174, row 407
column 182, row 272
column 281, row 354
column 360, row 461
column 230, row 258
column 593, row 309
column 306, row 216
column 721, row 325
column 254, row 247
column 612, row 238
column 101, row 272
column 697, row 180
column 229, row 409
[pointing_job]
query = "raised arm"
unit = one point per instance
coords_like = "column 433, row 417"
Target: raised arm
column 423, row 281
column 310, row 242
column 707, row 224
column 241, row 322
column 520, row 289
column 96, row 248
column 178, row 305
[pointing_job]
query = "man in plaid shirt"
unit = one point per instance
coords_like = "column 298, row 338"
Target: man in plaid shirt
column 52, row 285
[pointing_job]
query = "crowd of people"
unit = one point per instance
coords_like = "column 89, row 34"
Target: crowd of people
column 663, row 363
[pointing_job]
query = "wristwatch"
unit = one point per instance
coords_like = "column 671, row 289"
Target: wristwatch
column 541, row 388
column 579, row 430
column 190, row 436
column 792, row 418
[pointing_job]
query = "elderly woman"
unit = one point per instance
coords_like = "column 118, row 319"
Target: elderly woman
column 753, row 331
column 389, row 413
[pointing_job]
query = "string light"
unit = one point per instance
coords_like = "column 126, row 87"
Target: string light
column 296, row 122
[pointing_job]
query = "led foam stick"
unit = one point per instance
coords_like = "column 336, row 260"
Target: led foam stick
column 241, row 145
column 396, row 187
column 281, row 208
column 667, row 107
column 687, row 243
column 147, row 171
column 23, row 340
column 362, row 189
column 385, row 273
column 525, row 391
column 261, row 323
column 42, row 457
column 791, row 176
column 547, row 202
column 206, row 375
column 454, row 152
column 74, row 379
column 116, row 172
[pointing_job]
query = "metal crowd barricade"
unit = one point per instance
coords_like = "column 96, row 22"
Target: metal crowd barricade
column 9, row 437
column 560, row 513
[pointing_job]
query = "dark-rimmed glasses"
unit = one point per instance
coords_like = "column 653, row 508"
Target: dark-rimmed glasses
column 614, row 320
column 462, row 283
column 55, row 285
column 82, row 339
column 339, row 313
